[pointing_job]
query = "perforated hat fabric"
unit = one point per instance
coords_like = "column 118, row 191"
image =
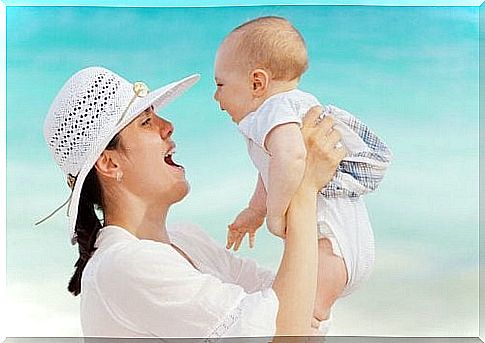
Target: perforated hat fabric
column 90, row 109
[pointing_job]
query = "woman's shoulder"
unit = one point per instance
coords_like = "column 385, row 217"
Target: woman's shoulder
column 192, row 237
column 188, row 229
column 199, row 244
column 122, row 256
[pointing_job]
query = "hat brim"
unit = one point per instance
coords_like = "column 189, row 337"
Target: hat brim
column 158, row 99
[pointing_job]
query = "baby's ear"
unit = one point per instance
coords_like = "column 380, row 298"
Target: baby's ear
column 260, row 82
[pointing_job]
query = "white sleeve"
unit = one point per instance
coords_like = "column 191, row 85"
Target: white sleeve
column 272, row 113
column 151, row 289
column 231, row 268
column 255, row 309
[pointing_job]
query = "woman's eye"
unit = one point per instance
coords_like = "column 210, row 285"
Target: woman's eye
column 219, row 84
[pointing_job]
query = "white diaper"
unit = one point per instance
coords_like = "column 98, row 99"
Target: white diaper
column 324, row 231
column 344, row 221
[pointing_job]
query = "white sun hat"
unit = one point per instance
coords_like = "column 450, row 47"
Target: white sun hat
column 90, row 109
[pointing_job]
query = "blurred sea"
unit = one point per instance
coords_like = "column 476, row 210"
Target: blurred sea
column 410, row 73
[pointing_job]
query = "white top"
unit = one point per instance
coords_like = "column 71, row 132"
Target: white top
column 283, row 108
column 143, row 288
column 344, row 217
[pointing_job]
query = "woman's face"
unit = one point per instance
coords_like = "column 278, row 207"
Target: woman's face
column 146, row 160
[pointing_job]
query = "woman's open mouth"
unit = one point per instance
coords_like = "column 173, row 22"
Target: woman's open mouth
column 169, row 160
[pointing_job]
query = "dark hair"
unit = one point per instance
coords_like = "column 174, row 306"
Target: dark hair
column 87, row 222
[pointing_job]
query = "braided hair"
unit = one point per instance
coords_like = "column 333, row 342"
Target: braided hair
column 87, row 222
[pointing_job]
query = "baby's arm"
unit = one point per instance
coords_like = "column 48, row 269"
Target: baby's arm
column 249, row 219
column 286, row 167
column 258, row 199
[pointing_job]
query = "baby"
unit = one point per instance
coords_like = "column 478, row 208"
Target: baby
column 257, row 70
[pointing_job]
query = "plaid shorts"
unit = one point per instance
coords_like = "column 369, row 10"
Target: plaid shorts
column 361, row 171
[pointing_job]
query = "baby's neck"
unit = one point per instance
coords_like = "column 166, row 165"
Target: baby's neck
column 280, row 86
column 275, row 87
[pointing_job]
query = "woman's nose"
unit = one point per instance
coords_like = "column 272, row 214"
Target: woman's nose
column 166, row 128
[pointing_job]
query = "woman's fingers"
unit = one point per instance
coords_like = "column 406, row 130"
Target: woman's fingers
column 324, row 150
column 326, row 124
column 332, row 137
column 340, row 152
column 311, row 116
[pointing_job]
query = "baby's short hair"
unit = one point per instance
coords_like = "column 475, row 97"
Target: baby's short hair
column 274, row 44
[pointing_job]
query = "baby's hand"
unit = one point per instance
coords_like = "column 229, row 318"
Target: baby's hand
column 276, row 225
column 248, row 221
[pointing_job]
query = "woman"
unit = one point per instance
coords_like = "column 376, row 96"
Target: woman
column 137, row 277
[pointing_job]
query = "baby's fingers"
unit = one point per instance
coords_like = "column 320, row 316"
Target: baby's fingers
column 230, row 239
column 232, row 235
column 252, row 238
column 238, row 241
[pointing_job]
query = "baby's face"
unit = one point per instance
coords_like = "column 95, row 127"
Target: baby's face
column 234, row 92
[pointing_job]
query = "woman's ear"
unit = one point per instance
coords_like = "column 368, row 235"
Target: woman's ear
column 107, row 165
column 260, row 82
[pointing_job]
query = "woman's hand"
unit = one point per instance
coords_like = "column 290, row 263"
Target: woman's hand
column 295, row 284
column 324, row 152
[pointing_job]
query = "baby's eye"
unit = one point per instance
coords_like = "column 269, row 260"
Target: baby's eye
column 146, row 121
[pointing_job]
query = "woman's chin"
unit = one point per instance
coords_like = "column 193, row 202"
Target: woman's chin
column 181, row 190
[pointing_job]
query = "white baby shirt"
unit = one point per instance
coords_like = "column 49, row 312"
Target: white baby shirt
column 361, row 170
column 341, row 209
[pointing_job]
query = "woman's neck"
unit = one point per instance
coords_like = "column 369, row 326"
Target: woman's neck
column 145, row 221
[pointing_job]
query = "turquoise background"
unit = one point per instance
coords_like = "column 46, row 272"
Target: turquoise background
column 224, row 3
column 410, row 73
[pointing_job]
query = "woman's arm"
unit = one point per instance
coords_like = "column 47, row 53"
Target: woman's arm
column 295, row 282
column 296, row 279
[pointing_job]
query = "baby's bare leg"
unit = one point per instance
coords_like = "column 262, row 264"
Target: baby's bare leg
column 332, row 278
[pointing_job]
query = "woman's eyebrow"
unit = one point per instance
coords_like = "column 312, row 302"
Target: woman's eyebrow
column 149, row 110
column 144, row 114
